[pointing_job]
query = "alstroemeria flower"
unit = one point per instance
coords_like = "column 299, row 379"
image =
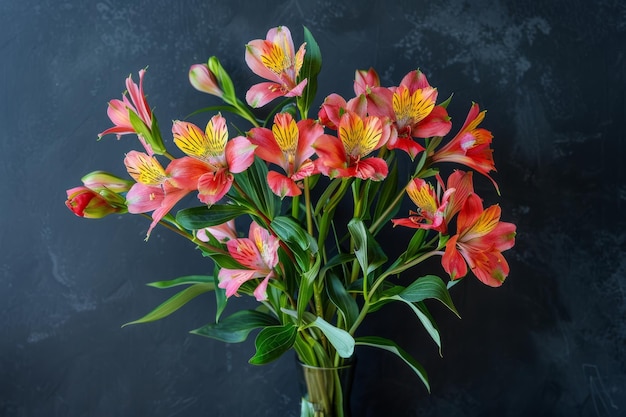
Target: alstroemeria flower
column 222, row 232
column 346, row 155
column 288, row 145
column 258, row 254
column 212, row 158
column 335, row 106
column 471, row 146
column 155, row 190
column 431, row 209
column 411, row 106
column 480, row 240
column 119, row 111
column 276, row 60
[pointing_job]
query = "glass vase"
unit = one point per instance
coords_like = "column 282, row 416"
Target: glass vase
column 326, row 391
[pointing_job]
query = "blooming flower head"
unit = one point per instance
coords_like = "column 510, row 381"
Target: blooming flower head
column 134, row 116
column 275, row 60
column 480, row 240
column 212, row 158
column 289, row 145
column 431, row 210
column 258, row 254
column 155, row 190
column 471, row 146
column 346, row 155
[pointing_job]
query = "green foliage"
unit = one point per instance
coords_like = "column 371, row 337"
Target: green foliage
column 390, row 346
column 272, row 342
column 236, row 327
column 174, row 303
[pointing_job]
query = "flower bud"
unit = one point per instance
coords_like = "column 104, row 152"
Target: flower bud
column 202, row 79
column 87, row 203
column 101, row 180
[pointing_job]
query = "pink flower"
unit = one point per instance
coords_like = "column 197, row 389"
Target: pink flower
column 347, row 155
column 471, row 146
column 154, row 191
column 275, row 60
column 480, row 240
column 212, row 158
column 431, row 209
column 288, row 145
column 258, row 254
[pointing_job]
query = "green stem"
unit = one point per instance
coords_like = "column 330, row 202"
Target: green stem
column 367, row 296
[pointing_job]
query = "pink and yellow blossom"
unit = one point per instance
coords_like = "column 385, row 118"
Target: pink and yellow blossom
column 212, row 158
column 348, row 154
column 288, row 145
column 258, row 254
column 471, row 146
column 276, row 60
column 480, row 240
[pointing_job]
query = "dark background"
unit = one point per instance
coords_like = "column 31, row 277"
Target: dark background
column 550, row 342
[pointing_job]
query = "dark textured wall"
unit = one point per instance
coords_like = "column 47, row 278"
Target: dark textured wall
column 550, row 342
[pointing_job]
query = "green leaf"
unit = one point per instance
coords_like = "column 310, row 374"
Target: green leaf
column 340, row 297
column 424, row 317
column 220, row 296
column 189, row 279
column 236, row 327
column 429, row 286
column 311, row 67
column 341, row 340
column 174, row 303
column 253, row 182
column 307, row 286
column 415, row 244
column 300, row 242
column 368, row 252
column 390, row 346
column 272, row 342
column 387, row 193
column 195, row 218
column 154, row 140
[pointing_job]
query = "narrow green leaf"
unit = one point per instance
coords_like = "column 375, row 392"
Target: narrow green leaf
column 368, row 252
column 345, row 303
column 415, row 244
column 341, row 340
column 174, row 303
column 424, row 317
column 236, row 327
column 307, row 286
column 195, row 218
column 388, row 191
column 220, row 295
column 390, row 346
column 311, row 67
column 300, row 242
column 189, row 279
column 253, row 182
column 272, row 342
column 429, row 286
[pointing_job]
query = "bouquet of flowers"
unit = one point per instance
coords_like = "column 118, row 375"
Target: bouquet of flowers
column 291, row 208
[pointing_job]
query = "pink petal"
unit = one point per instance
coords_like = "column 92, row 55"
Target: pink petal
column 232, row 279
column 260, row 293
column 212, row 186
column 239, row 154
column 260, row 94
column 281, row 185
column 266, row 147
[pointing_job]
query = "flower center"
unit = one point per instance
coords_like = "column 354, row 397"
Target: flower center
column 359, row 138
column 411, row 108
